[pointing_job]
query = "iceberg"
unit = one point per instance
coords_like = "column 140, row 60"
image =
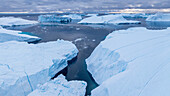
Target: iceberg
column 137, row 15
column 61, row 87
column 90, row 15
column 11, row 35
column 73, row 16
column 53, row 19
column 107, row 19
column 144, row 63
column 24, row 66
column 159, row 17
column 12, row 22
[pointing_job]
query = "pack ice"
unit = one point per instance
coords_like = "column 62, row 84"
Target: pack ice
column 61, row 87
column 73, row 16
column 133, row 62
column 23, row 66
column 11, row 35
column 12, row 21
column 107, row 19
column 159, row 17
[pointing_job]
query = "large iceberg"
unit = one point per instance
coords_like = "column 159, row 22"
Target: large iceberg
column 134, row 15
column 133, row 62
column 107, row 19
column 159, row 17
column 11, row 35
column 61, row 87
column 53, row 19
column 12, row 21
column 73, row 16
column 90, row 15
column 24, row 66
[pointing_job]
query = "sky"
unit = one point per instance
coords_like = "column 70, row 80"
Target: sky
column 79, row 5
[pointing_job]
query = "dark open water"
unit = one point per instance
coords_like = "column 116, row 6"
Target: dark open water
column 85, row 37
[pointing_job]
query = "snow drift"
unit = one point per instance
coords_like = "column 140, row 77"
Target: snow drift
column 61, row 87
column 23, row 66
column 107, row 19
column 12, row 21
column 133, row 62
column 11, row 35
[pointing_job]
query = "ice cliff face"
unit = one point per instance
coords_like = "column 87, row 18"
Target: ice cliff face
column 60, row 87
column 133, row 62
column 23, row 66
column 11, row 35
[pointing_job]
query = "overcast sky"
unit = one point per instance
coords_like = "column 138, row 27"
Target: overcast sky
column 78, row 5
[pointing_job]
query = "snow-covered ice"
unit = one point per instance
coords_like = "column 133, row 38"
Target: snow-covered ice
column 132, row 62
column 11, row 35
column 61, row 87
column 12, row 21
column 23, row 66
column 107, row 19
column 159, row 17
column 73, row 16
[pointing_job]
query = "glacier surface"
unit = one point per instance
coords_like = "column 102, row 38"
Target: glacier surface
column 11, row 35
column 23, row 66
column 132, row 62
column 12, row 21
column 61, row 87
column 107, row 19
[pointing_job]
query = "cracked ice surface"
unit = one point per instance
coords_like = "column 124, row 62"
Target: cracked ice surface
column 23, row 66
column 61, row 87
column 146, row 63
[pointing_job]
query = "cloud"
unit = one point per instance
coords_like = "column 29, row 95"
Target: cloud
column 78, row 5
